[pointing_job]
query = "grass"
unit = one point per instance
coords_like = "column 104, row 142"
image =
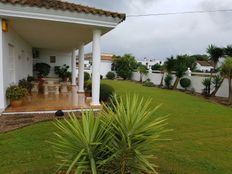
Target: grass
column 201, row 140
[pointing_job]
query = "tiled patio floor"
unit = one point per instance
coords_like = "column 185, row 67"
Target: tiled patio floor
column 51, row 102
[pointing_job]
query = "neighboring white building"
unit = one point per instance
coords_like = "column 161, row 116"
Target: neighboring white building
column 203, row 66
column 58, row 30
column 105, row 65
column 150, row 62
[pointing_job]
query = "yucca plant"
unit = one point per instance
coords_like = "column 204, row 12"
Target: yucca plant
column 81, row 145
column 122, row 138
column 136, row 131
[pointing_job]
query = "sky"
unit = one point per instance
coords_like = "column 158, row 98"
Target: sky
column 159, row 37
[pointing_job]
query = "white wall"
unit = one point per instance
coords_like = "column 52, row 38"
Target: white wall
column 105, row 67
column 196, row 82
column 61, row 59
column 22, row 53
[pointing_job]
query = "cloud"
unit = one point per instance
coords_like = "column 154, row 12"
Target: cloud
column 162, row 36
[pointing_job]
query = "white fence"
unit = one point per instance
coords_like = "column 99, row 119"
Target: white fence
column 196, row 81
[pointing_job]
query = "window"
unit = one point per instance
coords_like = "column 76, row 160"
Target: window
column 52, row 59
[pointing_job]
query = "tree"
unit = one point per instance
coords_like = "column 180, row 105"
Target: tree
column 142, row 69
column 207, row 86
column 215, row 53
column 226, row 71
column 156, row 67
column 170, row 64
column 124, row 65
column 217, row 82
column 228, row 50
column 162, row 71
column 180, row 72
column 200, row 57
column 180, row 65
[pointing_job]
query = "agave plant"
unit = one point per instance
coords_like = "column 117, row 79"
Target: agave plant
column 123, row 138
column 81, row 145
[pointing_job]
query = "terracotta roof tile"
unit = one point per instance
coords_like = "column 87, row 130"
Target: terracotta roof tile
column 66, row 6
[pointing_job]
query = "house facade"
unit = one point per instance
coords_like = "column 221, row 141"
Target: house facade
column 55, row 29
column 105, row 65
column 203, row 66
column 150, row 62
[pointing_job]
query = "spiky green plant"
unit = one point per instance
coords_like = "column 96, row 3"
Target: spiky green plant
column 123, row 138
column 80, row 144
column 136, row 133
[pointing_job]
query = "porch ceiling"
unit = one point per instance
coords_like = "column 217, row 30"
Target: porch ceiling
column 53, row 35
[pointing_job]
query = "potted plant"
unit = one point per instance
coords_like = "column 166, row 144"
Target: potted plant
column 42, row 69
column 62, row 72
column 15, row 94
column 25, row 84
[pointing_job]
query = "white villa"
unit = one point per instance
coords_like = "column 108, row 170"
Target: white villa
column 150, row 62
column 57, row 32
column 105, row 64
column 203, row 66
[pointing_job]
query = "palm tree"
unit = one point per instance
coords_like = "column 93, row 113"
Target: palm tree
column 217, row 82
column 180, row 72
column 162, row 71
column 226, row 71
column 215, row 53
column 228, row 50
column 142, row 69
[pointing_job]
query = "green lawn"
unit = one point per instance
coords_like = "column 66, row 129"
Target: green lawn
column 202, row 137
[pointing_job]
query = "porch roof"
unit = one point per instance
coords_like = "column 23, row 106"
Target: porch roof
column 55, row 24
column 62, row 5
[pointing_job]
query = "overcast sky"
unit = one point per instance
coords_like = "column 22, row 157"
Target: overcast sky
column 161, row 36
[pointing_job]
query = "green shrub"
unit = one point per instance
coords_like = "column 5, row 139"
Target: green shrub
column 88, row 85
column 148, row 83
column 42, row 69
column 207, row 86
column 25, row 84
column 106, row 91
column 185, row 83
column 110, row 75
column 122, row 140
column 168, row 81
column 86, row 76
column 15, row 92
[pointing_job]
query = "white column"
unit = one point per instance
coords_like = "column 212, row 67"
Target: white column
column 96, row 67
column 2, row 93
column 74, row 68
column 81, row 69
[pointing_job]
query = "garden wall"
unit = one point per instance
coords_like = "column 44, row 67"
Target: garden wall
column 196, row 81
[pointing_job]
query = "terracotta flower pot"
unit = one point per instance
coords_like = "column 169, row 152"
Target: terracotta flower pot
column 87, row 94
column 16, row 103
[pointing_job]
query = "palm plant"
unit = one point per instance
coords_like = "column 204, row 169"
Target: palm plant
column 217, row 82
column 180, row 72
column 122, row 139
column 228, row 50
column 136, row 133
column 80, row 147
column 168, row 80
column 215, row 53
column 226, row 71
column 142, row 69
column 207, row 86
column 162, row 71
